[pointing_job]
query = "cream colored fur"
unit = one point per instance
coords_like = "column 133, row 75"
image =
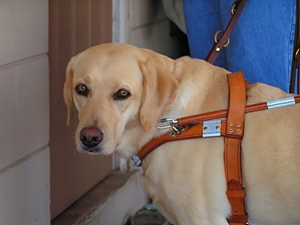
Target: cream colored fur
column 186, row 179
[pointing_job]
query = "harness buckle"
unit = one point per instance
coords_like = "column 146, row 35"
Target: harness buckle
column 171, row 123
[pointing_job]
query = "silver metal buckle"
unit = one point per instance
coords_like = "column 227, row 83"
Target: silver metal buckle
column 171, row 123
column 211, row 128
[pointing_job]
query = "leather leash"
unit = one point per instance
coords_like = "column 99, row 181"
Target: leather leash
column 210, row 125
column 296, row 57
column 236, row 11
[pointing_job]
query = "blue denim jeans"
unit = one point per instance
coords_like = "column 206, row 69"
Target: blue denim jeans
column 261, row 43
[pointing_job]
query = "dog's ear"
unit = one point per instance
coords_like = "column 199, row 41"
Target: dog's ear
column 68, row 98
column 159, row 91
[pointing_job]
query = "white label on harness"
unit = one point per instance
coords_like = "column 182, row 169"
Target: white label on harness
column 136, row 160
column 281, row 102
column 212, row 128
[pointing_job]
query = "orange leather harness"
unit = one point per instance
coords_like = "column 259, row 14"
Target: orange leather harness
column 232, row 148
column 232, row 129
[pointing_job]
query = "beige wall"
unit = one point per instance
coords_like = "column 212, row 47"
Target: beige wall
column 73, row 26
column 24, row 113
column 143, row 24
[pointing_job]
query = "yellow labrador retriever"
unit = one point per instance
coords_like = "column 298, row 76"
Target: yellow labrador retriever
column 121, row 92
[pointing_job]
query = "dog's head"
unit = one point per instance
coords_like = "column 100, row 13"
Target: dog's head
column 120, row 92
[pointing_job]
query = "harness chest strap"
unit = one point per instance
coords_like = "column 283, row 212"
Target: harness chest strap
column 206, row 125
column 195, row 126
column 233, row 135
column 232, row 148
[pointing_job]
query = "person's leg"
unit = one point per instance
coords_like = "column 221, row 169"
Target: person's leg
column 203, row 20
column 262, row 41
column 261, row 44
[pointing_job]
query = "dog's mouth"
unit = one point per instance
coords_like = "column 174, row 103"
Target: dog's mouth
column 91, row 150
column 100, row 149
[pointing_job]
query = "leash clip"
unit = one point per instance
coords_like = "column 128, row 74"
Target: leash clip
column 171, row 123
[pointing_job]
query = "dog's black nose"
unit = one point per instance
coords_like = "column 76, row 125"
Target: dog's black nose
column 91, row 136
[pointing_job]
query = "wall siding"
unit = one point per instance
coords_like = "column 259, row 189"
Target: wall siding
column 24, row 113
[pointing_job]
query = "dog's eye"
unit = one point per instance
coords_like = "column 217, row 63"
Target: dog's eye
column 81, row 89
column 122, row 94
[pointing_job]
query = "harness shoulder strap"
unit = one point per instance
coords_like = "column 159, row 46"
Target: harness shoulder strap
column 232, row 151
